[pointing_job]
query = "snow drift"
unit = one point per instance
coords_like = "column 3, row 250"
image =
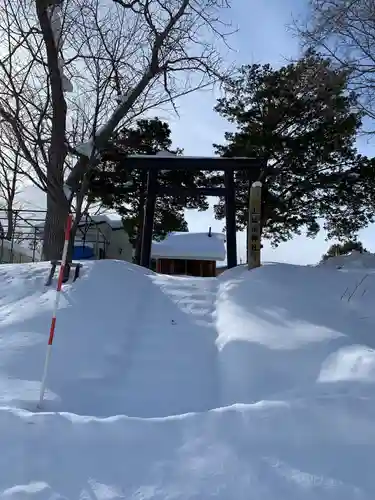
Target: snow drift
column 254, row 385
column 352, row 260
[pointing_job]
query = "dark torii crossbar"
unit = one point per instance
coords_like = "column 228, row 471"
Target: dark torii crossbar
column 154, row 163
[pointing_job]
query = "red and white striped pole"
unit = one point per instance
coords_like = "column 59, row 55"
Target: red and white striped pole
column 55, row 307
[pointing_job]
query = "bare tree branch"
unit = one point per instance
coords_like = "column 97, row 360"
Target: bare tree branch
column 345, row 31
column 121, row 58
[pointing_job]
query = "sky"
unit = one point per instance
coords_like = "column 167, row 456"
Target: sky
column 263, row 36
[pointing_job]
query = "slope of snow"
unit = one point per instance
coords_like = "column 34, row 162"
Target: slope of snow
column 254, row 385
column 299, row 321
column 352, row 260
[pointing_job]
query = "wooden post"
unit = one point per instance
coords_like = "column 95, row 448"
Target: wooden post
column 254, row 225
column 148, row 225
column 142, row 200
column 230, row 212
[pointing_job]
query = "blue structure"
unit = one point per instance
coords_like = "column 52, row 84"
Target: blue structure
column 83, row 253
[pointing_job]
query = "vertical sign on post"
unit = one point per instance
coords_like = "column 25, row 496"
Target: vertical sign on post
column 254, row 232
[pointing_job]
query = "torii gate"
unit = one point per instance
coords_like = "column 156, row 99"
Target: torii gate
column 154, row 163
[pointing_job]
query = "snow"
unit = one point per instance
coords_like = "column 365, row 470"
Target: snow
column 100, row 130
column 257, row 384
column 85, row 148
column 20, row 249
column 56, row 15
column 353, row 260
column 67, row 191
column 200, row 246
column 351, row 363
column 191, row 157
column 124, row 98
column 165, row 154
column 113, row 220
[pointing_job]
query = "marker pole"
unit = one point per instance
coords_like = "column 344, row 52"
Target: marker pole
column 55, row 307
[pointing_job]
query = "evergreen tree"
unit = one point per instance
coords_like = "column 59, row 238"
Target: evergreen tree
column 344, row 249
column 301, row 121
column 117, row 188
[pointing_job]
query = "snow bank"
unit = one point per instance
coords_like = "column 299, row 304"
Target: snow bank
column 267, row 451
column 91, row 336
column 259, row 384
column 353, row 260
column 280, row 324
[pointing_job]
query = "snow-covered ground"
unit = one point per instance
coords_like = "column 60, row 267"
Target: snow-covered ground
column 255, row 385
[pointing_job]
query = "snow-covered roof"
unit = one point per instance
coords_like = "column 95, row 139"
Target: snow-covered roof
column 197, row 246
column 15, row 247
column 166, row 154
column 113, row 220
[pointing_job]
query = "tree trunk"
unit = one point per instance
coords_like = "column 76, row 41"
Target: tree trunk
column 11, row 223
column 78, row 216
column 54, row 228
column 57, row 204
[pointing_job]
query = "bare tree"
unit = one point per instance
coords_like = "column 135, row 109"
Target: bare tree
column 74, row 69
column 10, row 181
column 345, row 31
